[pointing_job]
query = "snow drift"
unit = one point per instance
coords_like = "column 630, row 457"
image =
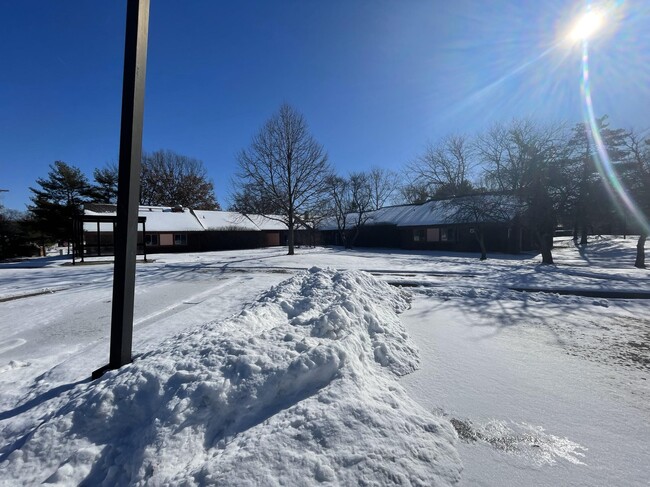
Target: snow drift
column 299, row 388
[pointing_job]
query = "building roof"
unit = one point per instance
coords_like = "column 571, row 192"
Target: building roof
column 178, row 219
column 271, row 222
column 224, row 220
column 158, row 218
column 170, row 219
column 437, row 212
column 479, row 208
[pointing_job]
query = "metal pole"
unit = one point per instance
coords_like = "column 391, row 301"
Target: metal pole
column 144, row 240
column 126, row 236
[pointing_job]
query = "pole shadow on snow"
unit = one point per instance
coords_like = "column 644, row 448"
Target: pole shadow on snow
column 40, row 399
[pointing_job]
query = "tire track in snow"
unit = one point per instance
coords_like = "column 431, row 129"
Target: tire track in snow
column 7, row 345
column 179, row 306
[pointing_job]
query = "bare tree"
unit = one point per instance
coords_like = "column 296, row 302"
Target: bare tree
column 444, row 168
column 481, row 210
column 521, row 159
column 414, row 193
column 287, row 165
column 250, row 199
column 170, row 179
column 338, row 189
column 383, row 185
column 352, row 200
column 361, row 199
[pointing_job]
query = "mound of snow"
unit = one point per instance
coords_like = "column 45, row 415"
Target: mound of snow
column 299, row 388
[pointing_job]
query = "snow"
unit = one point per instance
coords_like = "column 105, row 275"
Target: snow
column 159, row 219
column 300, row 385
column 271, row 222
column 166, row 219
column 549, row 408
column 436, row 212
column 380, row 384
column 224, row 220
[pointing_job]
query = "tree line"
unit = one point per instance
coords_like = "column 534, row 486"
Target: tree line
column 555, row 175
column 545, row 176
column 166, row 179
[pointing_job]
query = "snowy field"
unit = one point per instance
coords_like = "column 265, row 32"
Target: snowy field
column 256, row 368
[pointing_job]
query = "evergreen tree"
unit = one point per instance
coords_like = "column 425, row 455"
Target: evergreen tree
column 637, row 176
column 106, row 184
column 584, row 203
column 15, row 237
column 58, row 199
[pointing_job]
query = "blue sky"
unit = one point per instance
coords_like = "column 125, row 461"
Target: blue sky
column 375, row 79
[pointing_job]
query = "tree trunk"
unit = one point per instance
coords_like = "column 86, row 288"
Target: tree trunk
column 545, row 248
column 343, row 238
column 290, row 237
column 349, row 239
column 481, row 243
column 640, row 251
column 583, row 236
column 352, row 242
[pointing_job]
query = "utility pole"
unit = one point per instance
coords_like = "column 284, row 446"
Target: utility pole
column 126, row 231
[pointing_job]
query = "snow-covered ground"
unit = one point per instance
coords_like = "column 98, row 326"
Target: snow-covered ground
column 304, row 382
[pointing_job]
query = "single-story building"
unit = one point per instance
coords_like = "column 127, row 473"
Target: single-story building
column 177, row 229
column 454, row 224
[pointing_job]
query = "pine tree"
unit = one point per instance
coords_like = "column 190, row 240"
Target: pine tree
column 106, row 184
column 58, row 200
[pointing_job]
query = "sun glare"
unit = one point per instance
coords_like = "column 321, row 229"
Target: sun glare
column 586, row 25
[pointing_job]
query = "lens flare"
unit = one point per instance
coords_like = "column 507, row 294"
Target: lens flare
column 613, row 183
column 587, row 25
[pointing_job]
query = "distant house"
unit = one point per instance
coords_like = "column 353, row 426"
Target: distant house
column 177, row 229
column 445, row 224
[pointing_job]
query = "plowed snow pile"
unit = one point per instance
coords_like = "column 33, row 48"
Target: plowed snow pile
column 299, row 388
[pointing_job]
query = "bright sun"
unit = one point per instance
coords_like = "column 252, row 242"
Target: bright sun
column 586, row 25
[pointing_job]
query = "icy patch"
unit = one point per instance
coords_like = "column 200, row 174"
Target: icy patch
column 522, row 440
column 299, row 389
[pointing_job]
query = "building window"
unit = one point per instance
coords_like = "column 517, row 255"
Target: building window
column 420, row 235
column 151, row 239
column 180, row 239
column 448, row 234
